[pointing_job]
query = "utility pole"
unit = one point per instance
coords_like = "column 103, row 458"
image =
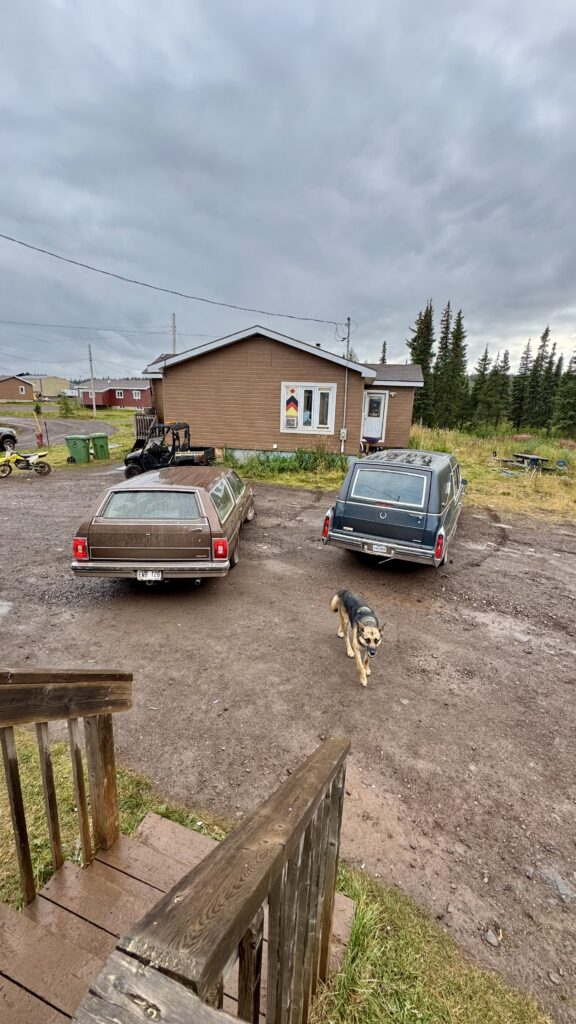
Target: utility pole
column 92, row 380
column 343, row 431
column 174, row 333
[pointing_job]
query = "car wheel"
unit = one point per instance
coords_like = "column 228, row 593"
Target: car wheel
column 250, row 514
column 6, row 469
column 131, row 471
column 9, row 445
column 42, row 468
column 235, row 556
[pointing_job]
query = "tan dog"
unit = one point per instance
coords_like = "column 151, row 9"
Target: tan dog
column 359, row 624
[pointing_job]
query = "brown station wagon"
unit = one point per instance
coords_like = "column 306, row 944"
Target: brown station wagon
column 173, row 523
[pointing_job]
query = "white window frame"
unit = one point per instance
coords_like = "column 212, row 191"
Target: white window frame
column 119, row 393
column 136, row 394
column 300, row 386
column 21, row 389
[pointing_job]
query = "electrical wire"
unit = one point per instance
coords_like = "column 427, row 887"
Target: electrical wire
column 76, row 327
column 158, row 288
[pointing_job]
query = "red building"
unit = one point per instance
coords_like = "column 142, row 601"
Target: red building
column 116, row 394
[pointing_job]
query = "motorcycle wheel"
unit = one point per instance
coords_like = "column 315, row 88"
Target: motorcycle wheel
column 6, row 469
column 42, row 468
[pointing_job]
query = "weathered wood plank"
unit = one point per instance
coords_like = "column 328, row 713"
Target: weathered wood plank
column 174, row 840
column 323, row 853
column 144, row 862
column 283, row 927
column 99, row 736
column 17, row 812
column 302, row 925
column 250, row 970
column 49, row 790
column 23, row 702
column 127, row 992
column 194, row 930
column 80, row 789
column 312, row 914
column 58, row 972
column 334, row 827
column 19, row 1007
column 113, row 906
column 43, row 676
column 58, row 921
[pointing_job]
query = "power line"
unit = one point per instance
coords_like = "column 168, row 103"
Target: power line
column 158, row 288
column 76, row 327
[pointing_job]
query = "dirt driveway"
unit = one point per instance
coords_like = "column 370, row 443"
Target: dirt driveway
column 461, row 785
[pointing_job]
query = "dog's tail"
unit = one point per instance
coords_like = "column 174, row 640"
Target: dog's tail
column 335, row 602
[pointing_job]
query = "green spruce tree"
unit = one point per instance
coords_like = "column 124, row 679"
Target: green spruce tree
column 421, row 348
column 457, row 375
column 383, row 359
column 536, row 405
column 479, row 406
column 548, row 391
column 565, row 417
column 442, row 402
column 519, row 396
column 504, row 386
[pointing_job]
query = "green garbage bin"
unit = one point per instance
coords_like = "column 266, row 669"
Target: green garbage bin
column 100, row 446
column 79, row 448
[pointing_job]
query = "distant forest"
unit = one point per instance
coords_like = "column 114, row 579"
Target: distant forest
column 541, row 395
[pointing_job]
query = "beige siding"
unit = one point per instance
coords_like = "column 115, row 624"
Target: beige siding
column 157, row 397
column 232, row 397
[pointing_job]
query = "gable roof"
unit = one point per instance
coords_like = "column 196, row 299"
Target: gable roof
column 107, row 383
column 157, row 366
column 14, row 376
column 398, row 374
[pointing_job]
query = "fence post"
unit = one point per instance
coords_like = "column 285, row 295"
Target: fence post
column 99, row 735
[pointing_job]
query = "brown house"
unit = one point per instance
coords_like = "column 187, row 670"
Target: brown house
column 16, row 389
column 257, row 390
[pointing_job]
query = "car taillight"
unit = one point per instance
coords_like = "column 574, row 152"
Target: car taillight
column 80, row 548
column 326, row 527
column 220, row 548
column 439, row 546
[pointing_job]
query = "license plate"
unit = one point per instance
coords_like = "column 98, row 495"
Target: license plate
column 382, row 549
column 149, row 575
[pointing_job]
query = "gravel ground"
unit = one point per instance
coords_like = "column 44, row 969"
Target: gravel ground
column 461, row 784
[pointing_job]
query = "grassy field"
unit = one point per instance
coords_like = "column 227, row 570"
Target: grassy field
column 121, row 419
column 400, row 969
column 489, row 484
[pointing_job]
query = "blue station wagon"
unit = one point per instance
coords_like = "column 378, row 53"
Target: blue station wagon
column 398, row 503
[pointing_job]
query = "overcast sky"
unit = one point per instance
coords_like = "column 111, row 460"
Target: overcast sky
column 318, row 158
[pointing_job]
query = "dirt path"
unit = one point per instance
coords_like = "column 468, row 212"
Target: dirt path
column 461, row 785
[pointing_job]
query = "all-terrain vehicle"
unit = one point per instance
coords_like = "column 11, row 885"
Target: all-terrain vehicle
column 166, row 444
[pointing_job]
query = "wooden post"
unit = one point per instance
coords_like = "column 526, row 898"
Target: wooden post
column 323, row 851
column 17, row 812
column 319, row 830
column 334, row 826
column 49, row 789
column 302, row 925
column 99, row 735
column 250, row 970
column 80, row 789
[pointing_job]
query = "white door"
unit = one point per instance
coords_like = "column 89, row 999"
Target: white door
column 374, row 415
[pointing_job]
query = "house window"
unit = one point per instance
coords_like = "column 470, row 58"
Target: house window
column 120, row 394
column 136, row 394
column 308, row 408
column 22, row 389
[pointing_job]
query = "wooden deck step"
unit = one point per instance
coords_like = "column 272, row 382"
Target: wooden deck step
column 19, row 1007
column 59, row 973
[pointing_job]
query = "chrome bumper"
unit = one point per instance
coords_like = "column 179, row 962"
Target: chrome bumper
column 404, row 552
column 169, row 570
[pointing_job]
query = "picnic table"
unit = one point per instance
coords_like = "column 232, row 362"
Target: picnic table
column 536, row 461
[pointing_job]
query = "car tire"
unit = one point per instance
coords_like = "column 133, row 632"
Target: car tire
column 250, row 514
column 42, row 468
column 8, row 445
column 131, row 471
column 6, row 469
column 235, row 556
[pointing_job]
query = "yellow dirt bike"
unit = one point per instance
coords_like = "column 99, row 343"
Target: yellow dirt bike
column 27, row 461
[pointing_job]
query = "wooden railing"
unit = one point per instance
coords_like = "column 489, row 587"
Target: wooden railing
column 37, row 696
column 283, row 857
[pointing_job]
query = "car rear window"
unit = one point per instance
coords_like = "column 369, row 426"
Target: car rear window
column 236, row 484
column 222, row 497
column 391, row 486
column 151, row 505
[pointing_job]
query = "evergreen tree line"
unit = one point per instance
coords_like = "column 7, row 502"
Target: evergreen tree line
column 541, row 395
